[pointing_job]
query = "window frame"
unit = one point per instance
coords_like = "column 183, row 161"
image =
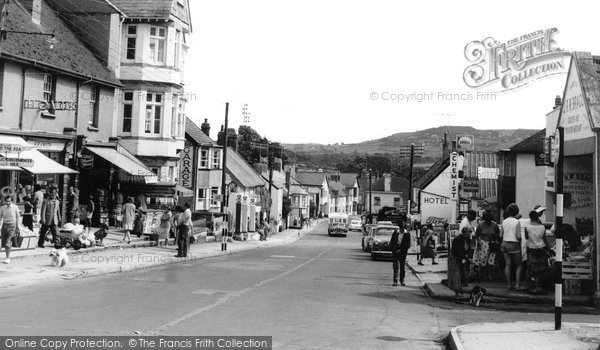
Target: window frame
column 154, row 113
column 215, row 159
column 49, row 95
column 203, row 162
column 94, row 106
column 158, row 55
column 127, row 104
column 131, row 36
column 214, row 203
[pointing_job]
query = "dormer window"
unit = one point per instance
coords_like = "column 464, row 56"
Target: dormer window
column 158, row 36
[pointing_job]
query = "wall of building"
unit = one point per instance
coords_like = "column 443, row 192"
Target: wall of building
column 530, row 186
column 386, row 199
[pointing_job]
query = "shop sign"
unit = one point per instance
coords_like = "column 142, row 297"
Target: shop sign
column 465, row 142
column 9, row 148
column 470, row 184
column 574, row 117
column 19, row 162
column 86, row 161
column 50, row 105
column 454, row 176
column 185, row 167
column 44, row 145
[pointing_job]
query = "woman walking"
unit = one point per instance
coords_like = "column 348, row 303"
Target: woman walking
column 165, row 226
column 536, row 254
column 428, row 245
column 511, row 246
column 486, row 231
column 458, row 261
column 128, row 218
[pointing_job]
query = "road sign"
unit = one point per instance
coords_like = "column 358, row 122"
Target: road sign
column 465, row 142
column 19, row 162
column 9, row 148
column 470, row 184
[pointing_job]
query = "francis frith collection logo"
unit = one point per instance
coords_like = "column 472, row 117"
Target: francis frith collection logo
column 515, row 63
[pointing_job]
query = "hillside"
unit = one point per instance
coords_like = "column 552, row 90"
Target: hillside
column 485, row 140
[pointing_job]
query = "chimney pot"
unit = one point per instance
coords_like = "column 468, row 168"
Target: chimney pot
column 205, row 127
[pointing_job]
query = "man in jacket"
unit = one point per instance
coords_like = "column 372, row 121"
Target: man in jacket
column 399, row 244
column 50, row 217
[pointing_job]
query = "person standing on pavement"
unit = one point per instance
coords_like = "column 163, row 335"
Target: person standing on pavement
column 90, row 207
column 458, row 261
column 428, row 245
column 184, row 229
column 38, row 199
column 128, row 219
column 510, row 232
column 165, row 227
column 72, row 205
column 50, row 217
column 486, row 231
column 27, row 213
column 399, row 244
column 9, row 216
column 470, row 220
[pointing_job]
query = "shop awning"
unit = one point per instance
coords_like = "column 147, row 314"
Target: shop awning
column 41, row 163
column 126, row 163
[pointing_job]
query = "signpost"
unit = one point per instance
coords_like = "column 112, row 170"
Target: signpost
column 465, row 142
column 8, row 148
column 470, row 184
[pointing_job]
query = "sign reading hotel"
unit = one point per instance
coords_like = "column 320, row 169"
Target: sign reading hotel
column 515, row 63
column 185, row 168
column 52, row 105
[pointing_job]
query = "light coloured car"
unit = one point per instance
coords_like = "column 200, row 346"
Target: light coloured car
column 355, row 225
column 366, row 232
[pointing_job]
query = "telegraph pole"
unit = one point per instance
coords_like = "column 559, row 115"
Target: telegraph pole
column 558, row 230
column 371, row 195
column 224, row 185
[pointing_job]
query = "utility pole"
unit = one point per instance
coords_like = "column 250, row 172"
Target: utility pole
column 558, row 230
column 411, row 152
column 371, row 195
column 224, row 185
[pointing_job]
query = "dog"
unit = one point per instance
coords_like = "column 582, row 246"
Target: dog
column 101, row 233
column 59, row 257
column 477, row 294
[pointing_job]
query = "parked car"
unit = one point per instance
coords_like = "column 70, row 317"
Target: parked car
column 337, row 229
column 380, row 241
column 355, row 225
column 366, row 232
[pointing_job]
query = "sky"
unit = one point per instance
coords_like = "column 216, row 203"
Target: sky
column 326, row 71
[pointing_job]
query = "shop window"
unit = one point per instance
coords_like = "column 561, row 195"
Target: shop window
column 94, row 109
column 216, row 160
column 376, row 201
column 131, row 42
column 153, row 113
column 214, row 191
column 158, row 37
column 127, row 110
column 203, row 159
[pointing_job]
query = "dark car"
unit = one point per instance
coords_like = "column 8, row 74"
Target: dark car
column 380, row 241
column 337, row 229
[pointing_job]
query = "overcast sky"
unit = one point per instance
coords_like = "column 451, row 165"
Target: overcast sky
column 308, row 69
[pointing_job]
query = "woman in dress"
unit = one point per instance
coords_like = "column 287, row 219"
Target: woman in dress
column 458, row 261
column 511, row 246
column 483, row 257
column 128, row 219
column 428, row 245
column 165, row 226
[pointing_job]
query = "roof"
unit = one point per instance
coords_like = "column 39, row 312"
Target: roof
column 69, row 54
column 348, row 179
column 154, row 9
column 241, row 171
column 432, row 173
column 399, row 184
column 197, row 135
column 279, row 179
column 528, row 145
column 297, row 190
column 310, row 178
column 337, row 189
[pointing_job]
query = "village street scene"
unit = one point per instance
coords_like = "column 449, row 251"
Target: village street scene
column 180, row 174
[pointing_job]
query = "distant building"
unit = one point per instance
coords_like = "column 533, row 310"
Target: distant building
column 317, row 186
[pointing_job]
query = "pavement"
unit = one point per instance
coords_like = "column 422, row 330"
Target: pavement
column 31, row 267
column 525, row 335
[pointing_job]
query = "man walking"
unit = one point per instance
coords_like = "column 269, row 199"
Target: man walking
column 399, row 244
column 9, row 215
column 184, row 229
column 50, row 217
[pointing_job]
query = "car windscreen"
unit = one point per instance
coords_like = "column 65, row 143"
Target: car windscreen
column 384, row 232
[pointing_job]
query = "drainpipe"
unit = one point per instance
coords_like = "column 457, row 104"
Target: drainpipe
column 22, row 98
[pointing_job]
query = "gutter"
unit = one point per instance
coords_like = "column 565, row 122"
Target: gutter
column 22, row 111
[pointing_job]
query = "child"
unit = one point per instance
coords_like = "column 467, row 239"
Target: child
column 28, row 213
column 101, row 234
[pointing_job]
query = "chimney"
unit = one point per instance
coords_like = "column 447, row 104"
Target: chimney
column 205, row 127
column 34, row 7
column 445, row 146
column 557, row 102
column 387, row 182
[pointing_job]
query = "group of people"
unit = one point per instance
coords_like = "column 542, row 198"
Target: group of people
column 521, row 242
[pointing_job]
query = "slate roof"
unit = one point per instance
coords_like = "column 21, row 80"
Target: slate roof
column 241, row 171
column 153, row 9
column 529, row 145
column 348, row 179
column 69, row 54
column 399, row 184
column 279, row 180
column 337, row 189
column 310, row 178
column 197, row 135
column 434, row 171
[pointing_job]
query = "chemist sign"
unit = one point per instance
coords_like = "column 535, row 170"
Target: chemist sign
column 454, row 176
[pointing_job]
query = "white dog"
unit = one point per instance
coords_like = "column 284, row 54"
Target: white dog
column 59, row 257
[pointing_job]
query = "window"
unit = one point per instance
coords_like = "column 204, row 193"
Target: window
column 49, row 90
column 171, row 173
column 174, row 129
column 153, row 113
column 1, row 81
column 176, row 64
column 376, row 201
column 157, row 44
column 131, row 42
column 127, row 110
column 202, row 198
column 216, row 159
column 214, row 191
column 93, row 105
column 203, row 159
column 180, row 119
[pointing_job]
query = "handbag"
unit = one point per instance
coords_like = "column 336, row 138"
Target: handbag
column 17, row 240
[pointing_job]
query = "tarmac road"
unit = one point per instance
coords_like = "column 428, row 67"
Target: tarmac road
column 318, row 293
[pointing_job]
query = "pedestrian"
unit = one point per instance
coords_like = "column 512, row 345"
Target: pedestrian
column 165, row 226
column 184, row 229
column 72, row 205
column 50, row 217
column 458, row 261
column 128, row 218
column 399, row 244
column 535, row 233
column 511, row 247
column 428, row 245
column 9, row 215
column 487, row 231
column 38, row 199
column 469, row 220
column 90, row 207
column 27, row 213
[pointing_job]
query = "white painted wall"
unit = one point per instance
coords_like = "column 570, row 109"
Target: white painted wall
column 530, row 184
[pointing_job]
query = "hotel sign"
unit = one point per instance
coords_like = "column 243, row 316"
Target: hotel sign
column 50, row 105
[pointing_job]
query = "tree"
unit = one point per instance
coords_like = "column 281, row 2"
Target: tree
column 286, row 207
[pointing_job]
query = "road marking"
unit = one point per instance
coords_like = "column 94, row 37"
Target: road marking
column 210, row 291
column 233, row 294
column 283, row 256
